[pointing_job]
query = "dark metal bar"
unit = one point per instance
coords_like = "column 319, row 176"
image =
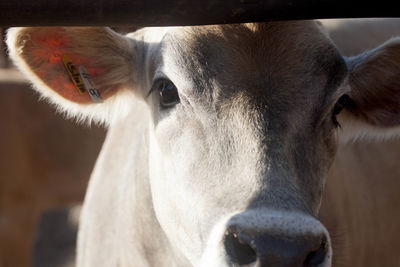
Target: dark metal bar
column 181, row 12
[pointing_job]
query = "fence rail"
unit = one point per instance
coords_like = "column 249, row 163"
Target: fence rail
column 181, row 12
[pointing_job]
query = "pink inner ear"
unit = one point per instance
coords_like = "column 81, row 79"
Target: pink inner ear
column 46, row 49
column 50, row 46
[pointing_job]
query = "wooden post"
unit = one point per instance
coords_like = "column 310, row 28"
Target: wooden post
column 181, row 12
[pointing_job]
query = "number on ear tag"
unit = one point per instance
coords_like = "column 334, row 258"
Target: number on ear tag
column 90, row 86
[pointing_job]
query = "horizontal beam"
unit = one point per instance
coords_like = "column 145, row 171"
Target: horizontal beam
column 181, row 12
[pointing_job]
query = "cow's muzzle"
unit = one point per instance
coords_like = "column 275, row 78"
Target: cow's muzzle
column 276, row 239
column 252, row 248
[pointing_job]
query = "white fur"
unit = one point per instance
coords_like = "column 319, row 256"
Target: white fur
column 353, row 129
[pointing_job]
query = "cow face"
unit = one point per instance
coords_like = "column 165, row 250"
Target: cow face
column 250, row 128
column 242, row 131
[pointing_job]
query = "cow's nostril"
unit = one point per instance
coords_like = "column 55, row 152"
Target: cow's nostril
column 316, row 257
column 239, row 252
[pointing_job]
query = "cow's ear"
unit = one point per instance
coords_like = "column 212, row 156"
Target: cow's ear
column 65, row 63
column 374, row 81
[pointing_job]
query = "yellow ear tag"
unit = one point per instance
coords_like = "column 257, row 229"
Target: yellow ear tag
column 74, row 74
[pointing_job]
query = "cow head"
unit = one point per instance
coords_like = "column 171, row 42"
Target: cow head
column 243, row 129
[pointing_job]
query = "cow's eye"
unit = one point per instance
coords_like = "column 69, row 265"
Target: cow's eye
column 342, row 102
column 169, row 96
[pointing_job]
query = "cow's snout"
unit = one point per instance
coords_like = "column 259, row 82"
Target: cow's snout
column 258, row 238
column 254, row 248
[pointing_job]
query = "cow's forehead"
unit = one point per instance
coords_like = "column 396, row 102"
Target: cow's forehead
column 252, row 57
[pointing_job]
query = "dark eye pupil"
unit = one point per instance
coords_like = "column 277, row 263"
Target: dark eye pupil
column 168, row 94
column 342, row 102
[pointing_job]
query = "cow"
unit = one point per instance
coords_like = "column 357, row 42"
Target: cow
column 220, row 137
